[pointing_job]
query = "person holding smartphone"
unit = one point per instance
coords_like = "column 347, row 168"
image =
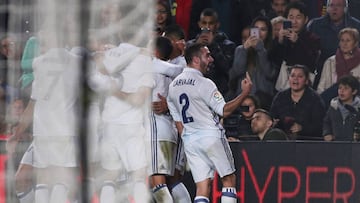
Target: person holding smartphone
column 253, row 57
column 221, row 48
column 295, row 45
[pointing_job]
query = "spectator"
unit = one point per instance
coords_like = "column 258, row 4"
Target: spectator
column 299, row 109
column 327, row 28
column 253, row 57
column 342, row 117
column 345, row 61
column 238, row 124
column 221, row 48
column 262, row 125
column 163, row 16
column 278, row 8
column 295, row 45
column 277, row 24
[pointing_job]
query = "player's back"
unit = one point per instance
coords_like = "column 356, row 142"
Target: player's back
column 195, row 100
column 56, row 89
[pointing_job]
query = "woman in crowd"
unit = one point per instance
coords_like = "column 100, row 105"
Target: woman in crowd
column 299, row 110
column 252, row 57
column 163, row 16
column 345, row 61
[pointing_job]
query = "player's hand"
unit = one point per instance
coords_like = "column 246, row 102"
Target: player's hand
column 11, row 144
column 246, row 84
column 160, row 107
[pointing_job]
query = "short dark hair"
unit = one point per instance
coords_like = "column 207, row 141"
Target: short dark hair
column 210, row 12
column 304, row 68
column 174, row 30
column 191, row 51
column 164, row 47
column 299, row 5
column 349, row 80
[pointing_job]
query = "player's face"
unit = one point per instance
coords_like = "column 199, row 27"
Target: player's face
column 297, row 79
column 346, row 93
column 205, row 59
column 260, row 122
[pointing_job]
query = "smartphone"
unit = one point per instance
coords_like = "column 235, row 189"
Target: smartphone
column 254, row 32
column 287, row 24
column 205, row 30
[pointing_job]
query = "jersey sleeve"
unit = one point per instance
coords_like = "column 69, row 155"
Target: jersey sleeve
column 213, row 98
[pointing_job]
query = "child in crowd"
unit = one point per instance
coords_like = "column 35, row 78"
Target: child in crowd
column 341, row 120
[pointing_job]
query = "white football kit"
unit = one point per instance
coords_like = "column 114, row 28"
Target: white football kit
column 164, row 136
column 123, row 142
column 56, row 90
column 196, row 102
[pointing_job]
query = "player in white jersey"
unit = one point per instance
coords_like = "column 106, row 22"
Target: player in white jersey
column 196, row 104
column 124, row 116
column 164, row 136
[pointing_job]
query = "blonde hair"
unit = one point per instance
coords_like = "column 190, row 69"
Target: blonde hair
column 352, row 32
column 278, row 19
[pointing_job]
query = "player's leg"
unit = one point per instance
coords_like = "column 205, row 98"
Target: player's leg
column 224, row 163
column 178, row 189
column 24, row 178
column 163, row 165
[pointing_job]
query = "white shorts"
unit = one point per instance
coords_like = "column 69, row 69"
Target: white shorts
column 206, row 151
column 55, row 151
column 123, row 146
column 163, row 157
column 163, row 128
column 180, row 164
column 28, row 156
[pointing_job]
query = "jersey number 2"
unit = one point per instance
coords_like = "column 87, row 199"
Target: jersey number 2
column 184, row 99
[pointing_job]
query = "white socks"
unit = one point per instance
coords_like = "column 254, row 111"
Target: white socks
column 162, row 194
column 26, row 197
column 180, row 193
column 59, row 193
column 42, row 193
column 201, row 199
column 228, row 195
column 107, row 193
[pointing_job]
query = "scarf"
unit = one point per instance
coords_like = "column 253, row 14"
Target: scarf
column 344, row 66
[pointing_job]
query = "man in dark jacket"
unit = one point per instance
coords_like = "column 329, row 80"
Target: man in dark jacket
column 221, row 48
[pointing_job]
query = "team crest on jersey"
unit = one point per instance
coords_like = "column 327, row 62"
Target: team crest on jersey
column 218, row 96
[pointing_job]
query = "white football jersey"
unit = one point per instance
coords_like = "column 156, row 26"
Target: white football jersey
column 134, row 76
column 195, row 101
column 56, row 89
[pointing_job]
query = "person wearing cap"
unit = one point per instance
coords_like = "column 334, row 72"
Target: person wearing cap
column 262, row 125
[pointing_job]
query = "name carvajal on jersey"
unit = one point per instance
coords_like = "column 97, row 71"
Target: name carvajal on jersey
column 180, row 82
